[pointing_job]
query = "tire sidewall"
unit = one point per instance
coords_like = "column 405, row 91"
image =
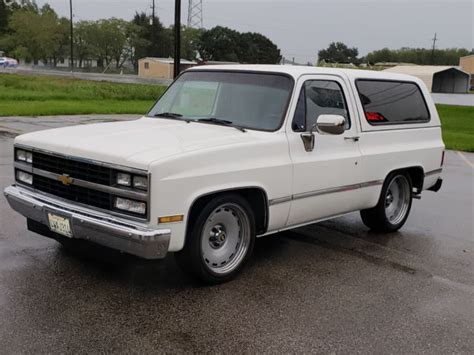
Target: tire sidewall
column 381, row 205
column 193, row 239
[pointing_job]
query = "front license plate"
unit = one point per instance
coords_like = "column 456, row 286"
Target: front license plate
column 60, row 225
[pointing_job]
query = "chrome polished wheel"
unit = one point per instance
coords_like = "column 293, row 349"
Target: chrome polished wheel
column 397, row 199
column 225, row 238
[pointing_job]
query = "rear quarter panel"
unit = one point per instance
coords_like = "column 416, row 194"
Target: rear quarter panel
column 386, row 148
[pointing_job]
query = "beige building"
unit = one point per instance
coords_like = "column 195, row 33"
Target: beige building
column 441, row 79
column 160, row 68
column 467, row 64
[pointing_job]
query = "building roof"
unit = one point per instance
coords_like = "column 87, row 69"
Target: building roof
column 421, row 69
column 167, row 60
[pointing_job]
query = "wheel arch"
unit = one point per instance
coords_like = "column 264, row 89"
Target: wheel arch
column 416, row 174
column 256, row 196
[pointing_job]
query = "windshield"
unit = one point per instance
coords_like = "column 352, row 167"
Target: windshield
column 248, row 100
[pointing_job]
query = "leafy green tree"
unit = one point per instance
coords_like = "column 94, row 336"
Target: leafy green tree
column 190, row 38
column 338, row 52
column 225, row 44
column 36, row 34
column 84, row 36
column 156, row 40
column 420, row 56
column 53, row 34
column 5, row 13
column 255, row 48
column 220, row 43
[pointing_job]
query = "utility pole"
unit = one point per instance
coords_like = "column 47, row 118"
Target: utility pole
column 177, row 37
column 434, row 48
column 153, row 36
column 153, row 13
column 72, row 37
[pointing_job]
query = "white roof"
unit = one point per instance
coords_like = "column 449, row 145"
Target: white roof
column 167, row 60
column 297, row 71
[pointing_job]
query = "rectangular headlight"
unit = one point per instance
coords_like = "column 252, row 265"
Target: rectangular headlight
column 124, row 179
column 24, row 156
column 130, row 205
column 24, row 177
column 140, row 182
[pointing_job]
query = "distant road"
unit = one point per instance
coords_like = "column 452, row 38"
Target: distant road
column 115, row 78
column 454, row 99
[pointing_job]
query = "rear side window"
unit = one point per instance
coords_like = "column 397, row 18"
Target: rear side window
column 392, row 102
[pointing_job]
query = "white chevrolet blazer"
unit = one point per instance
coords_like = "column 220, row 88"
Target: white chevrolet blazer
column 231, row 153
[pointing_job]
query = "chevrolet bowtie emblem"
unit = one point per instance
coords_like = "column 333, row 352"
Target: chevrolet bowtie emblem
column 65, row 179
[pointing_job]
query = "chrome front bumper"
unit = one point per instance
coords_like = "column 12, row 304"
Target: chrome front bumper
column 100, row 228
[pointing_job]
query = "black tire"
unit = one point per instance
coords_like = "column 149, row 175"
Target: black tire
column 192, row 258
column 376, row 218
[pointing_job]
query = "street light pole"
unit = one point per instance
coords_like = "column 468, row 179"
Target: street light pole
column 72, row 37
column 177, row 37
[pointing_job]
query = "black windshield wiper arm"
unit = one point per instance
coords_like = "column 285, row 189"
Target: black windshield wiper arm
column 221, row 122
column 168, row 115
column 173, row 116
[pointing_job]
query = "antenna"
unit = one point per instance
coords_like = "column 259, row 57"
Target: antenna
column 195, row 14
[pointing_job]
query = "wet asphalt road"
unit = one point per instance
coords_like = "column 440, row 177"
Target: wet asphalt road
column 333, row 287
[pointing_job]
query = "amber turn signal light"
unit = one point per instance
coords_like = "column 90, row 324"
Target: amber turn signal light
column 171, row 219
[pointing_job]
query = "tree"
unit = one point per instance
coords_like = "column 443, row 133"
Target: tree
column 420, row 56
column 190, row 38
column 35, row 33
column 225, row 44
column 5, row 13
column 338, row 52
column 258, row 49
column 155, row 40
column 220, row 43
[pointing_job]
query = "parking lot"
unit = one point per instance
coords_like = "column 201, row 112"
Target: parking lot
column 333, row 287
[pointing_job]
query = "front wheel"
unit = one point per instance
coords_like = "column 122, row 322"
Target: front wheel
column 393, row 207
column 219, row 240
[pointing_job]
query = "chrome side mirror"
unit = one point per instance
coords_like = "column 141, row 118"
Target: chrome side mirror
column 331, row 124
column 326, row 124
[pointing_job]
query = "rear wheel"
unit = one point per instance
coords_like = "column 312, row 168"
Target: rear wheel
column 220, row 239
column 394, row 205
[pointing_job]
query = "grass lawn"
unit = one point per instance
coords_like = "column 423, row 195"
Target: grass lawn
column 41, row 95
column 458, row 127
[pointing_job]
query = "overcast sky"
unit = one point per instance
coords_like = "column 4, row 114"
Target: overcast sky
column 302, row 27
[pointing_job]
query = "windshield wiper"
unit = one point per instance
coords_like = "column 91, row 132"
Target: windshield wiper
column 168, row 115
column 221, row 122
column 172, row 115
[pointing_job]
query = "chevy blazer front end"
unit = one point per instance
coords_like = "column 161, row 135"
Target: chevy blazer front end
column 83, row 199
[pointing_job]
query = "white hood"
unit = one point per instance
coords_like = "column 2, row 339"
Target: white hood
column 133, row 143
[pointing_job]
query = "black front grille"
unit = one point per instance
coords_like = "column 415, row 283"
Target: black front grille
column 73, row 193
column 76, row 169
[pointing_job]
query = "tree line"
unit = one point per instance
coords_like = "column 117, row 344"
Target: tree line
column 32, row 34
column 339, row 52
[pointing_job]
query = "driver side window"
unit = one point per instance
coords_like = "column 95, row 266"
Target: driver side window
column 319, row 97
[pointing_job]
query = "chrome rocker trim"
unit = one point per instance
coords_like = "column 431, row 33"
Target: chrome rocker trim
column 97, row 227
